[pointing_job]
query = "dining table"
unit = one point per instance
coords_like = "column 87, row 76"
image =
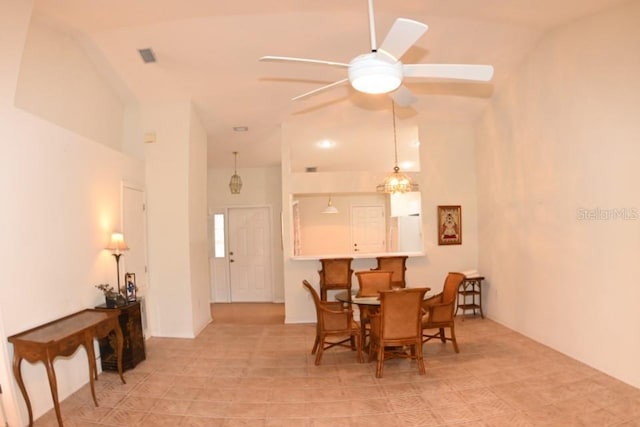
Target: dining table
column 366, row 304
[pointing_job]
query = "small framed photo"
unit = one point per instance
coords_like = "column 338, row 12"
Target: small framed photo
column 130, row 283
column 449, row 225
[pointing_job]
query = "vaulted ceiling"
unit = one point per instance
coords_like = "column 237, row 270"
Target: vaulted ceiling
column 208, row 51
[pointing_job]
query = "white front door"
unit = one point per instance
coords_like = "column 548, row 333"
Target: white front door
column 250, row 254
column 368, row 229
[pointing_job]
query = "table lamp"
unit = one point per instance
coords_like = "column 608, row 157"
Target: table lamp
column 117, row 245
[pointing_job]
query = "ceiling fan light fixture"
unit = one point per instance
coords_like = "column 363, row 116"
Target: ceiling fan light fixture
column 371, row 74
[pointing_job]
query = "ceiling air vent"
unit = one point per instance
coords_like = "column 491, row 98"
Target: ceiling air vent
column 147, row 55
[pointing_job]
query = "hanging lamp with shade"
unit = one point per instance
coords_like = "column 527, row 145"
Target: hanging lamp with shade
column 235, row 184
column 330, row 209
column 396, row 182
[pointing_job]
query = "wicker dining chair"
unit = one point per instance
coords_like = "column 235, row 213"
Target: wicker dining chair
column 335, row 275
column 370, row 284
column 334, row 322
column 438, row 312
column 397, row 325
column 395, row 264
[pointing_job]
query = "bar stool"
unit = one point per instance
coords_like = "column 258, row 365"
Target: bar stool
column 335, row 274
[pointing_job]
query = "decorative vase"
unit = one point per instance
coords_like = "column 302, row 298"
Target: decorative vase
column 114, row 300
column 111, row 301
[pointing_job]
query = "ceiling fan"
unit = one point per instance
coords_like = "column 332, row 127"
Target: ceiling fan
column 381, row 70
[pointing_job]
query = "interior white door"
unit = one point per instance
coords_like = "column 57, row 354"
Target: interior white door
column 250, row 245
column 134, row 228
column 368, row 229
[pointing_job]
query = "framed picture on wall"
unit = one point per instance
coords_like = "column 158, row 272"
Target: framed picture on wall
column 130, row 283
column 449, row 225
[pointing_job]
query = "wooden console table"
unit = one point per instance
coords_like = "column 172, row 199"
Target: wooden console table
column 62, row 337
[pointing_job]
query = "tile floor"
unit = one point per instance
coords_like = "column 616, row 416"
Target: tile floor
column 248, row 368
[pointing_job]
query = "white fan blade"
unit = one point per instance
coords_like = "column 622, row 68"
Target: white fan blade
column 402, row 35
column 482, row 73
column 403, row 96
column 320, row 89
column 309, row 61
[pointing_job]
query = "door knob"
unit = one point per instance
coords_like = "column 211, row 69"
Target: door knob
column 231, row 260
column 230, row 253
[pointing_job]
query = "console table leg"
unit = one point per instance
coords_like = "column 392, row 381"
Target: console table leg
column 120, row 344
column 93, row 370
column 18, row 374
column 53, row 384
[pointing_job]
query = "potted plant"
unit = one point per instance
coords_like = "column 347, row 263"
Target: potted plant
column 112, row 298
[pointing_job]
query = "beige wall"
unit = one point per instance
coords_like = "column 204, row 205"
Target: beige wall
column 59, row 83
column 61, row 194
column 62, row 180
column 176, row 254
column 557, row 152
column 198, row 238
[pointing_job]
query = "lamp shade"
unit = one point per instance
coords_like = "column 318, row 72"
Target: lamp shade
column 330, row 209
column 397, row 182
column 235, row 183
column 117, row 243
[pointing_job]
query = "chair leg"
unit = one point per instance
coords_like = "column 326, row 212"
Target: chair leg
column 417, row 348
column 320, row 349
column 315, row 344
column 363, row 335
column 359, row 346
column 442, row 335
column 453, row 338
column 380, row 363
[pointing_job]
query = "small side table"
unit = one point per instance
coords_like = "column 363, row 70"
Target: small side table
column 130, row 320
column 470, row 295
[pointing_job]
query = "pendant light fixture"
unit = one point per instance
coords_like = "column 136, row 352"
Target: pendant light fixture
column 396, row 182
column 330, row 209
column 235, row 184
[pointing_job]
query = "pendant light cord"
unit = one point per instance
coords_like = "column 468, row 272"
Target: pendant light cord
column 235, row 162
column 395, row 142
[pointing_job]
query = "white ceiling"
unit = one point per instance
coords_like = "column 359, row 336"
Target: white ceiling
column 208, row 50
